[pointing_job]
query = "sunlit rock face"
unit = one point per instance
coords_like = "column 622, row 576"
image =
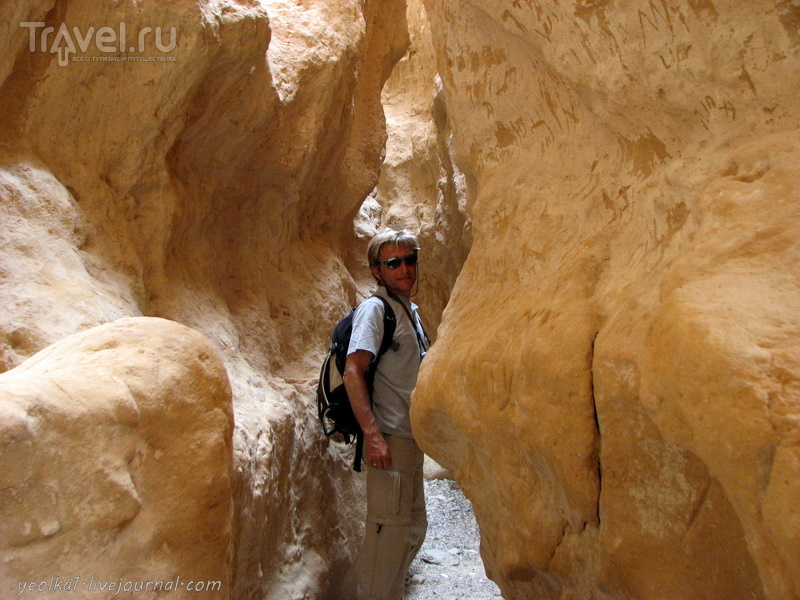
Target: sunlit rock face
column 615, row 380
column 116, row 466
column 420, row 186
column 212, row 182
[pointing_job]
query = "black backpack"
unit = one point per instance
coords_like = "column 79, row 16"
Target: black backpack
column 333, row 404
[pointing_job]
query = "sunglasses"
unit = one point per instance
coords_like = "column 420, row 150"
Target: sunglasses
column 396, row 261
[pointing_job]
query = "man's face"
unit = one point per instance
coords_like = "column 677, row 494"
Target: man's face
column 399, row 280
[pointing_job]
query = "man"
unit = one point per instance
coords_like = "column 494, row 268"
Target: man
column 396, row 520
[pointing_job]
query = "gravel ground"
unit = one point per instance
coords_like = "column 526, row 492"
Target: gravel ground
column 449, row 565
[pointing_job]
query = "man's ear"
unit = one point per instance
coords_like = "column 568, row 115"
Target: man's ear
column 376, row 272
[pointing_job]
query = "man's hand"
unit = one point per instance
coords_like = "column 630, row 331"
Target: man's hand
column 377, row 451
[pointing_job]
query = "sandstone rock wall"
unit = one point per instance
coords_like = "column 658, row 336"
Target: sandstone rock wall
column 615, row 380
column 212, row 182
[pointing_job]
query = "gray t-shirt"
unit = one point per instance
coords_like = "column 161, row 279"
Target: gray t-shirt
column 397, row 370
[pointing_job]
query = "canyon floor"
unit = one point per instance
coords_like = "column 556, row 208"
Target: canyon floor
column 449, row 565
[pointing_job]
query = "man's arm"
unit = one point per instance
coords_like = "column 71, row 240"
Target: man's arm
column 375, row 447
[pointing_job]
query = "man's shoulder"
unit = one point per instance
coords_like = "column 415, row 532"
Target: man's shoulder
column 372, row 308
column 379, row 299
column 371, row 303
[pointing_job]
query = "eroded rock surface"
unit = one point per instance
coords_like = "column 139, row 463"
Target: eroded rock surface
column 420, row 186
column 116, row 466
column 216, row 188
column 615, row 380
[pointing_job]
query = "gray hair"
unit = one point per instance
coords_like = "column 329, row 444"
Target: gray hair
column 402, row 238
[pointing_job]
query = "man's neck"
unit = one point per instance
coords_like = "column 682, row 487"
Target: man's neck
column 400, row 297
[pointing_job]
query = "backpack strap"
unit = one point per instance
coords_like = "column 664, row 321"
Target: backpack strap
column 359, row 451
column 389, row 326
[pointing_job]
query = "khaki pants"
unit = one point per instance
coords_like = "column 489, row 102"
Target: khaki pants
column 396, row 523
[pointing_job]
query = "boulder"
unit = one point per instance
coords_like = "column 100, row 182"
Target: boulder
column 116, row 466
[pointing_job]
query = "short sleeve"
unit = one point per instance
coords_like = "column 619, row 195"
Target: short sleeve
column 367, row 331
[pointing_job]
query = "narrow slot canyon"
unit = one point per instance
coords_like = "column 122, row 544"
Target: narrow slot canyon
column 607, row 199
